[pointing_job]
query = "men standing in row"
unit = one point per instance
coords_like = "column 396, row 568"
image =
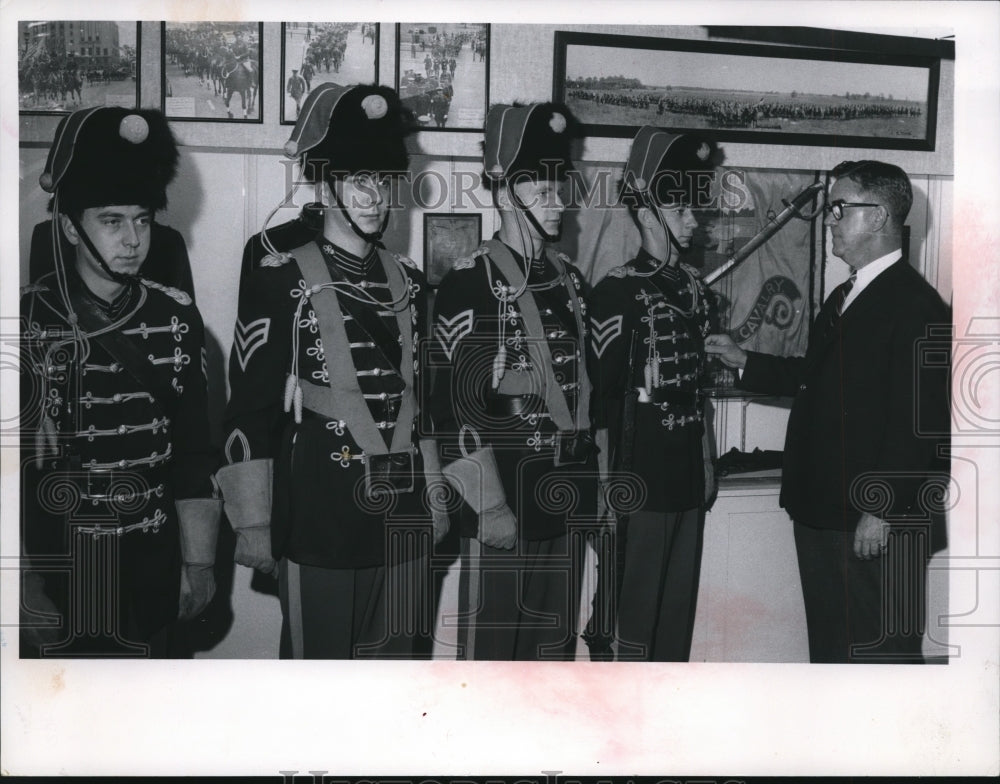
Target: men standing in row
column 864, row 431
column 649, row 319
column 510, row 400
column 119, row 523
column 325, row 475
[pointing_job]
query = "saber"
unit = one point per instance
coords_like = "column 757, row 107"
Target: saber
column 793, row 210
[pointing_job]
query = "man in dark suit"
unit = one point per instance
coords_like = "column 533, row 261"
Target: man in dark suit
column 861, row 451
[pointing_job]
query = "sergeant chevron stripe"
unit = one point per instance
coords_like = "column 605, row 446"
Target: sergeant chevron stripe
column 603, row 332
column 249, row 338
column 450, row 331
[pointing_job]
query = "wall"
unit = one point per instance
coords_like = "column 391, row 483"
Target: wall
column 231, row 176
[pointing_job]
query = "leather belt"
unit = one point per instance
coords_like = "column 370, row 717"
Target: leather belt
column 671, row 397
column 500, row 406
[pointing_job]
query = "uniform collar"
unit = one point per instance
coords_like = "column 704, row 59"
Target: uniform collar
column 537, row 272
column 115, row 309
column 347, row 262
column 646, row 262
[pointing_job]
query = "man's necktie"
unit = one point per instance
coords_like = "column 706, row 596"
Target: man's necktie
column 845, row 290
column 839, row 296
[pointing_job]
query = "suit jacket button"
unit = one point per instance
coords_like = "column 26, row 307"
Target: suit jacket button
column 801, row 387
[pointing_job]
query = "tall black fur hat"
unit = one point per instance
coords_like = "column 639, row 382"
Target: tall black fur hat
column 111, row 155
column 673, row 169
column 530, row 141
column 347, row 130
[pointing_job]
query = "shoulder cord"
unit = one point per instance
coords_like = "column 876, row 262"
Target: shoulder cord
column 293, row 391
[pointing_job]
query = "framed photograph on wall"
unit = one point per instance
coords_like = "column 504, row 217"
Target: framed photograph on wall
column 757, row 93
column 314, row 53
column 443, row 74
column 65, row 65
column 212, row 71
column 447, row 238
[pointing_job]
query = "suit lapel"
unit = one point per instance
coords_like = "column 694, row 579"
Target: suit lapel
column 863, row 312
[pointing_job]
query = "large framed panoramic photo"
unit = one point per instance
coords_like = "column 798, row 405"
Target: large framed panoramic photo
column 754, row 93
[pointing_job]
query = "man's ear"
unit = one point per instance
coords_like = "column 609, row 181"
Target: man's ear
column 69, row 229
column 880, row 216
column 503, row 199
column 647, row 218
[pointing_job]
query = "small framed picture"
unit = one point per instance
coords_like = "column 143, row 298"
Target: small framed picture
column 65, row 65
column 447, row 238
column 212, row 71
column 443, row 74
column 314, row 53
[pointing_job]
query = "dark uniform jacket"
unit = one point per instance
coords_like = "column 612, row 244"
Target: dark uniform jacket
column 543, row 362
column 869, row 405
column 669, row 315
column 322, row 380
column 109, row 447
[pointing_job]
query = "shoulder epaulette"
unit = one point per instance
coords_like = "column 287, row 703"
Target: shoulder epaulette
column 467, row 262
column 176, row 294
column 279, row 260
column 406, row 261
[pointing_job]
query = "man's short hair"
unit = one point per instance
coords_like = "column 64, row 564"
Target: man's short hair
column 886, row 183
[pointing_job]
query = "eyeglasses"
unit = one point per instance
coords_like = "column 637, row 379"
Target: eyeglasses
column 837, row 207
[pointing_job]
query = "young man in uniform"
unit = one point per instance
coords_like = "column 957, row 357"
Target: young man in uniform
column 649, row 319
column 119, row 523
column 510, row 400
column 326, row 483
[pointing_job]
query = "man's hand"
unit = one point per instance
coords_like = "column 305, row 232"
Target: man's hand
column 871, row 537
column 253, row 548
column 727, row 350
column 197, row 590
column 498, row 528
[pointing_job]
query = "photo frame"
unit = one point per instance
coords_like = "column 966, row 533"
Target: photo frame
column 316, row 52
column 443, row 74
column 448, row 237
column 65, row 65
column 756, row 93
column 212, row 71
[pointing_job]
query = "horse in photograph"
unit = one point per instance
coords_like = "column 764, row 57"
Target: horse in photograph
column 242, row 79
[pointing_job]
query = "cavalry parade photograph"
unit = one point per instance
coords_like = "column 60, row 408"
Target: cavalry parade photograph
column 66, row 65
column 313, row 53
column 560, row 390
column 442, row 74
column 210, row 65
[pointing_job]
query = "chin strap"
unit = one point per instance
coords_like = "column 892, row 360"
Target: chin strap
column 374, row 237
column 531, row 218
column 116, row 276
column 673, row 246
